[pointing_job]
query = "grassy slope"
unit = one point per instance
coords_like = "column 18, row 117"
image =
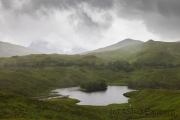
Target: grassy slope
column 167, row 78
column 8, row 50
column 19, row 107
column 154, row 99
column 34, row 81
column 148, row 51
column 37, row 81
column 118, row 45
column 50, row 59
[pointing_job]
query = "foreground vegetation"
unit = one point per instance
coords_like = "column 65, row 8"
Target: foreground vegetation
column 19, row 107
column 157, row 104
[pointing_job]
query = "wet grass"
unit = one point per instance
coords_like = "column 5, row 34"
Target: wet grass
column 145, row 104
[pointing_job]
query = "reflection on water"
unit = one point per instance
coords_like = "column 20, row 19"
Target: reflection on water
column 114, row 94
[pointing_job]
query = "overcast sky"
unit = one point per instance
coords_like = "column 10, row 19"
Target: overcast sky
column 89, row 24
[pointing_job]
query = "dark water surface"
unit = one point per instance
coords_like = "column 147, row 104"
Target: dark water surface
column 114, row 94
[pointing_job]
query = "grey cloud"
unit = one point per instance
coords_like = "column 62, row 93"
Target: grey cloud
column 38, row 8
column 6, row 3
column 87, row 20
column 136, row 9
column 108, row 19
column 84, row 22
column 34, row 5
column 160, row 16
column 169, row 7
column 67, row 4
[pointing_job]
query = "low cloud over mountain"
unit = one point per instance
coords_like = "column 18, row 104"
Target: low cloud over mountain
column 49, row 48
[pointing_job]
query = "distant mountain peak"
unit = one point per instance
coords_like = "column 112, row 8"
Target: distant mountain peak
column 150, row 40
column 150, row 51
column 177, row 41
column 9, row 50
column 118, row 45
column 127, row 39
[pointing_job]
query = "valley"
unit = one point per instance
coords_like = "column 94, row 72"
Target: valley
column 149, row 67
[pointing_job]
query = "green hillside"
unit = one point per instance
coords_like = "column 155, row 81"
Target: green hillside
column 151, row 65
column 150, row 104
column 24, row 74
column 118, row 45
column 148, row 51
column 35, row 75
column 8, row 50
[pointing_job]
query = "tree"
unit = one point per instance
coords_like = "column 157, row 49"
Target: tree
column 94, row 85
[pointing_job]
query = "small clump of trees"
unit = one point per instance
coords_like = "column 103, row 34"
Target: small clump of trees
column 90, row 86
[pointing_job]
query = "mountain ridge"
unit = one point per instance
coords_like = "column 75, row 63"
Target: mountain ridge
column 9, row 50
column 120, row 44
column 146, row 51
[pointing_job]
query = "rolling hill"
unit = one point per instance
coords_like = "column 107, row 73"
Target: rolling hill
column 8, row 50
column 148, row 51
column 118, row 45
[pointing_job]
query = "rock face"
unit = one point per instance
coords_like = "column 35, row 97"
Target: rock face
column 9, row 50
